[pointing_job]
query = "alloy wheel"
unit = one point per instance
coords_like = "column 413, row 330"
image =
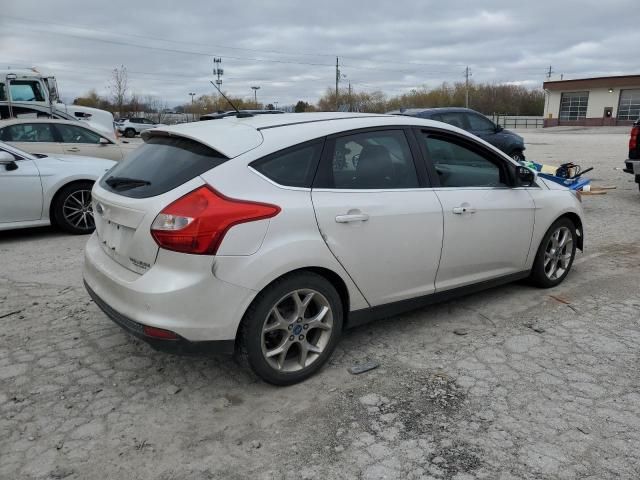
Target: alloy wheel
column 77, row 210
column 297, row 330
column 558, row 253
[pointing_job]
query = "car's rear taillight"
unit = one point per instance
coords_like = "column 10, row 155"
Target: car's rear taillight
column 197, row 222
column 633, row 141
column 159, row 333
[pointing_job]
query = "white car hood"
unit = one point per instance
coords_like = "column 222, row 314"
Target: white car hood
column 549, row 184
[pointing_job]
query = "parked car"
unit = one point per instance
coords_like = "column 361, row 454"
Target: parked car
column 270, row 235
column 68, row 137
column 232, row 113
column 130, row 127
column 632, row 164
column 38, row 190
column 509, row 142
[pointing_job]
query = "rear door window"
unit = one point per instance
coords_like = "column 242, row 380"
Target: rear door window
column 160, row 165
column 457, row 119
column 480, row 124
column 370, row 160
column 293, row 167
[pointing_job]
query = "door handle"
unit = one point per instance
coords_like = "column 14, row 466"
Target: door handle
column 461, row 210
column 73, row 149
column 354, row 217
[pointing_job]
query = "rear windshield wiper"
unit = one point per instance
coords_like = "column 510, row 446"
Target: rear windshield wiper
column 125, row 183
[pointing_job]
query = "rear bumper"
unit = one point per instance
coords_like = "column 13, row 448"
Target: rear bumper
column 180, row 346
column 632, row 167
column 178, row 293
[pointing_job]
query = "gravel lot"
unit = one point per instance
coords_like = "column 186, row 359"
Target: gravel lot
column 541, row 383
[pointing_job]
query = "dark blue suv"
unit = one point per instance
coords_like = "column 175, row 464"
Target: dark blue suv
column 509, row 142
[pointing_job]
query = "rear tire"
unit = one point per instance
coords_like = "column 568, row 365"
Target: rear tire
column 291, row 328
column 72, row 210
column 129, row 133
column 555, row 255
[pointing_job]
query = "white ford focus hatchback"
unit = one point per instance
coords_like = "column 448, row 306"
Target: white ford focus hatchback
column 270, row 235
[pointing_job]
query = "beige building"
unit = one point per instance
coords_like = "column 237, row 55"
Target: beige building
column 592, row 101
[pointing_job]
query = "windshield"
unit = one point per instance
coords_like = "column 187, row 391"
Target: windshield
column 15, row 151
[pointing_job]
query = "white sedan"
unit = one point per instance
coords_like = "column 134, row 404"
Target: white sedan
column 37, row 190
column 268, row 235
column 68, row 137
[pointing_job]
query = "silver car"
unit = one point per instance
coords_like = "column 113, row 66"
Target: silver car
column 267, row 236
column 38, row 190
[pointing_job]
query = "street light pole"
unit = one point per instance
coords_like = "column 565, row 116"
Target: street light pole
column 255, row 95
column 193, row 113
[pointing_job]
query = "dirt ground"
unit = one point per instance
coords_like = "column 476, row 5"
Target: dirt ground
column 533, row 384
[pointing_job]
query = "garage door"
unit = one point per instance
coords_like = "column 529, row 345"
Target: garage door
column 629, row 108
column 573, row 105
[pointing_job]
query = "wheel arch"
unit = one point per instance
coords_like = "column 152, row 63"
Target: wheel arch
column 577, row 221
column 54, row 198
column 332, row 277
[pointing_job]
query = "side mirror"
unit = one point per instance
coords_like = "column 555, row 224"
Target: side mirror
column 104, row 142
column 499, row 128
column 524, row 177
column 8, row 161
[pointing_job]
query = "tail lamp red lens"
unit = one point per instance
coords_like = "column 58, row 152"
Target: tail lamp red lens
column 159, row 333
column 633, row 141
column 197, row 222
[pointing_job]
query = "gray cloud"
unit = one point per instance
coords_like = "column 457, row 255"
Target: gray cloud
column 289, row 47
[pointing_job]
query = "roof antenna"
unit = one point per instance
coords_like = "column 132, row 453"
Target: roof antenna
column 239, row 114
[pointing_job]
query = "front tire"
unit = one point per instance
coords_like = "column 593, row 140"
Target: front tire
column 291, row 328
column 72, row 210
column 555, row 255
column 517, row 155
column 129, row 133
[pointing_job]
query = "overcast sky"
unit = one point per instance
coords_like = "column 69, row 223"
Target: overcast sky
column 288, row 47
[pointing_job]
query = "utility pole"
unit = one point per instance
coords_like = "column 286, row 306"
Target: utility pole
column 337, row 80
column 467, row 74
column 193, row 113
column 549, row 72
column 275, row 104
column 350, row 97
column 218, row 72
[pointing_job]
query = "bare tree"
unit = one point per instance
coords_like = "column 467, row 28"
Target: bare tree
column 157, row 107
column 134, row 104
column 119, row 86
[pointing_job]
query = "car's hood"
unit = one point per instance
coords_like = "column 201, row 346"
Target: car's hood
column 549, row 184
column 511, row 132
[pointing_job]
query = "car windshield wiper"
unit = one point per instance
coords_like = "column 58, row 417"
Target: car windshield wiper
column 124, row 183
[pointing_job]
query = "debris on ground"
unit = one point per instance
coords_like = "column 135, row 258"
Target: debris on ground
column 172, row 389
column 461, row 331
column 535, row 327
column 359, row 368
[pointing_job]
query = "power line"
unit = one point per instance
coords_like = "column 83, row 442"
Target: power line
column 228, row 47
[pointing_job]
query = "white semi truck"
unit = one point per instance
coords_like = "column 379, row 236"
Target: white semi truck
column 27, row 93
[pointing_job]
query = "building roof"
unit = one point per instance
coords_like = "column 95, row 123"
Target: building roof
column 594, row 82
